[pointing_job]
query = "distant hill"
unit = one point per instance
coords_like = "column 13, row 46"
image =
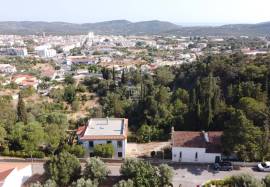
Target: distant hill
column 125, row 27
column 260, row 29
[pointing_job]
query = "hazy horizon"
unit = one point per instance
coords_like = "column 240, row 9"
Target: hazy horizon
column 184, row 24
column 187, row 12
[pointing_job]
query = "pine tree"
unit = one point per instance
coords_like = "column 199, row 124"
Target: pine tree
column 113, row 73
column 123, row 77
column 21, row 110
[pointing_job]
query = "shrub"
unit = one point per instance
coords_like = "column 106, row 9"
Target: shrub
column 266, row 181
column 243, row 180
column 123, row 183
column 77, row 150
column 104, row 150
column 142, row 173
column 84, row 183
column 63, row 169
column 96, row 170
column 166, row 175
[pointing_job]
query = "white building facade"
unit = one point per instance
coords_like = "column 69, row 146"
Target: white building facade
column 16, row 177
column 7, row 69
column 196, row 147
column 105, row 131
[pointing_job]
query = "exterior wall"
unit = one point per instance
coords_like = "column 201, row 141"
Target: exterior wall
column 113, row 142
column 17, row 177
column 188, row 155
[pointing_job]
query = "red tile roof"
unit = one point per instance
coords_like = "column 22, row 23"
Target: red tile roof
column 197, row 140
column 188, row 139
column 81, row 130
column 4, row 174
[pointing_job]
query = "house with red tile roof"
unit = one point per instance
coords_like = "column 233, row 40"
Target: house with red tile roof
column 104, row 131
column 14, row 174
column 25, row 80
column 196, row 147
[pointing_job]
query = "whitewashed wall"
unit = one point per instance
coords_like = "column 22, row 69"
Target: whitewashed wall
column 188, row 155
column 17, row 177
column 114, row 143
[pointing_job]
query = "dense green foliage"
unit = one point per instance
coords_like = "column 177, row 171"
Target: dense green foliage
column 123, row 183
column 144, row 174
column 104, row 150
column 241, row 180
column 84, row 183
column 96, row 170
column 204, row 95
column 63, row 169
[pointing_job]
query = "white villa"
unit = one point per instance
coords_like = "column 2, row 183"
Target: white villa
column 196, row 147
column 105, row 131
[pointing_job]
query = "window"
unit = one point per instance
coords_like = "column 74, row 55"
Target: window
column 180, row 156
column 91, row 144
column 119, row 144
column 196, row 156
column 109, row 141
column 120, row 154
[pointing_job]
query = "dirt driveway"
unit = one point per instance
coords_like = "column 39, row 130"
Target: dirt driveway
column 136, row 149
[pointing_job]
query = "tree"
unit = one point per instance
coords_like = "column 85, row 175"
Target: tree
column 254, row 110
column 266, row 180
column 140, row 172
column 21, row 110
column 63, row 168
column 3, row 136
column 104, row 150
column 96, row 170
column 53, row 136
column 77, row 150
column 70, row 94
column 164, row 76
column 123, row 77
column 69, row 79
column 241, row 137
column 48, row 183
column 33, row 137
column 243, row 180
column 124, row 183
column 166, row 175
column 144, row 133
column 84, row 183
column 75, row 105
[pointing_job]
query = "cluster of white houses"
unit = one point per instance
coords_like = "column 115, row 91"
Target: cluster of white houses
column 187, row 146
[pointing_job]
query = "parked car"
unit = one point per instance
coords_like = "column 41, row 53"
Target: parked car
column 264, row 166
column 223, row 166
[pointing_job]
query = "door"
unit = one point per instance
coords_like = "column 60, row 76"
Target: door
column 217, row 159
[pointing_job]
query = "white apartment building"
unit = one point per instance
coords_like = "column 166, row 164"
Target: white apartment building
column 105, row 131
column 45, row 51
column 7, row 69
column 17, row 51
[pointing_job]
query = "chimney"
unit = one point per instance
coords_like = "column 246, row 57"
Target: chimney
column 205, row 135
column 172, row 131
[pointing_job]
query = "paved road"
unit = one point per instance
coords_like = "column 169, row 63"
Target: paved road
column 191, row 176
column 186, row 175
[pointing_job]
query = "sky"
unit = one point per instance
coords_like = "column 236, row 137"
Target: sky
column 185, row 12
